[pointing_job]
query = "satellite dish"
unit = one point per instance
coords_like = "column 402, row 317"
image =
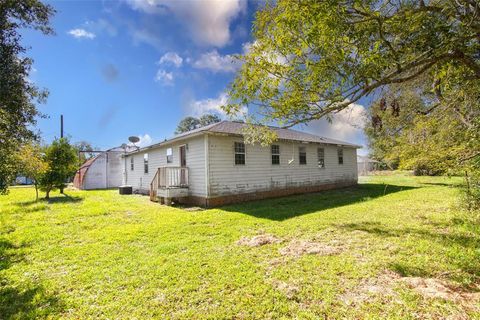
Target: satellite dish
column 133, row 139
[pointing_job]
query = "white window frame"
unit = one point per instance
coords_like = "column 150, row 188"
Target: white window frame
column 321, row 157
column 235, row 152
column 275, row 154
column 169, row 160
column 299, row 155
column 145, row 163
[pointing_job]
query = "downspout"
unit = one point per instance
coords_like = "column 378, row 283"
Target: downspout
column 207, row 169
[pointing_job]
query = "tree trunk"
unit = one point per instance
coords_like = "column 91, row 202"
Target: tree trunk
column 61, row 190
column 47, row 194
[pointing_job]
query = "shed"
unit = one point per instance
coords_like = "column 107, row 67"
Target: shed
column 365, row 165
column 103, row 171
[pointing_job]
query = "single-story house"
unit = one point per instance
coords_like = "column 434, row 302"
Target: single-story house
column 212, row 166
column 103, row 171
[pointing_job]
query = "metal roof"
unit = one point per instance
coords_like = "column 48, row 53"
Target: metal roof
column 235, row 128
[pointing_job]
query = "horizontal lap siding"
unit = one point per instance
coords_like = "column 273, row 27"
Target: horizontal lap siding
column 157, row 157
column 258, row 174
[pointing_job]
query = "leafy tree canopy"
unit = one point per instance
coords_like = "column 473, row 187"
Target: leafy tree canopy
column 18, row 96
column 32, row 163
column 191, row 123
column 313, row 58
column 61, row 157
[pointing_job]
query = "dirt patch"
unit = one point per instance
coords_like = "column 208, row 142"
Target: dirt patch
column 298, row 248
column 430, row 288
column 379, row 286
column 193, row 209
column 288, row 289
column 438, row 289
column 259, row 240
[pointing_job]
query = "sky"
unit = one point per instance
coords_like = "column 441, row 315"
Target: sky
column 137, row 67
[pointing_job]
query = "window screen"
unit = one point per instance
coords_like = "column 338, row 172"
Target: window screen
column 340, row 155
column 169, row 155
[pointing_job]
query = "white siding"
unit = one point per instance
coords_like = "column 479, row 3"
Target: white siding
column 104, row 174
column 258, row 173
column 157, row 157
column 95, row 175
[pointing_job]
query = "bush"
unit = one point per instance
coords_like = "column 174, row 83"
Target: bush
column 471, row 198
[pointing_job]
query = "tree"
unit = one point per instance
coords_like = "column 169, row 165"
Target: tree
column 18, row 95
column 62, row 164
column 208, row 119
column 32, row 164
column 84, row 150
column 314, row 58
column 187, row 124
column 191, row 123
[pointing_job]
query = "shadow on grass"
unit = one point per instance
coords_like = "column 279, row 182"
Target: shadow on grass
column 27, row 300
column 61, row 198
column 292, row 206
column 467, row 270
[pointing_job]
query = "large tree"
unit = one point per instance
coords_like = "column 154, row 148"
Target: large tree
column 404, row 132
column 191, row 123
column 18, row 95
column 313, row 58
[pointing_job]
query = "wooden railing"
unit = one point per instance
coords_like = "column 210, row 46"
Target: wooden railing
column 168, row 177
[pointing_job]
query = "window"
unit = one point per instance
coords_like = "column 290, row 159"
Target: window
column 302, row 155
column 169, row 155
column 145, row 163
column 239, row 153
column 131, row 163
column 275, row 154
column 340, row 155
column 321, row 157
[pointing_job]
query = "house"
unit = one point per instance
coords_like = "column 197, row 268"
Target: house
column 22, row 180
column 212, row 166
column 103, row 171
column 366, row 165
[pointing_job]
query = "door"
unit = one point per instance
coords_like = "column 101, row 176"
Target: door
column 183, row 164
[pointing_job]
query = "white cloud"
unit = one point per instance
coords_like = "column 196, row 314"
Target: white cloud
column 216, row 62
column 81, row 33
column 166, row 78
column 145, row 140
column 346, row 125
column 171, row 58
column 207, row 21
column 197, row 108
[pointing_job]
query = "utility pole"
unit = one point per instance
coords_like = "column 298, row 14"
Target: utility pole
column 61, row 126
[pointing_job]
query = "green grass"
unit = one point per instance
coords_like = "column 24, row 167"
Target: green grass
column 96, row 254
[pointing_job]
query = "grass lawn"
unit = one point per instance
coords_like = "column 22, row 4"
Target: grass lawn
column 393, row 247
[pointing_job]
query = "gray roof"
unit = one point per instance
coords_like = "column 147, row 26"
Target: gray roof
column 235, row 128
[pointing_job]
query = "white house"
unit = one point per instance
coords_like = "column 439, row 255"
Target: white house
column 211, row 166
column 103, row 171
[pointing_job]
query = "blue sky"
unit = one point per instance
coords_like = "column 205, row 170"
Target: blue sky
column 121, row 68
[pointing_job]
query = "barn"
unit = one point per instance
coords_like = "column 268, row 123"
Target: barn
column 103, row 171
